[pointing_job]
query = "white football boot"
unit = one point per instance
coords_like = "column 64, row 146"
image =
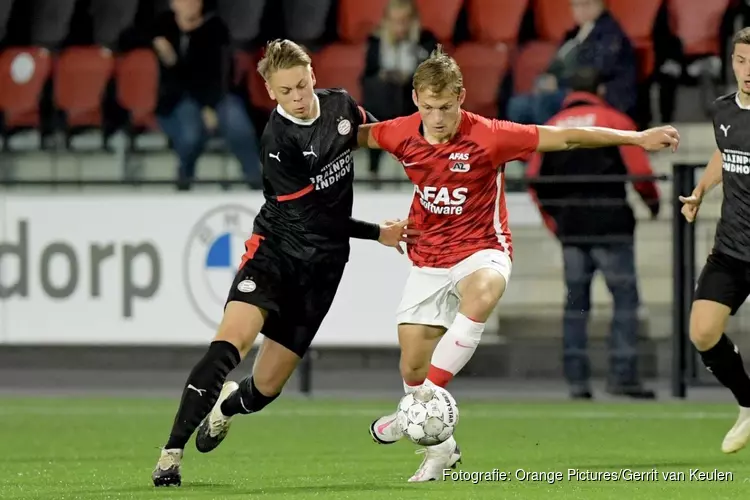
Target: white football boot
column 215, row 426
column 167, row 470
column 445, row 455
column 386, row 430
column 739, row 435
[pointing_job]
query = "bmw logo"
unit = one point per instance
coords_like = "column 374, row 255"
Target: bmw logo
column 213, row 254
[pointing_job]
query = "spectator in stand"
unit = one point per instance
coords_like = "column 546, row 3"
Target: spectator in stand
column 392, row 56
column 595, row 225
column 598, row 42
column 194, row 101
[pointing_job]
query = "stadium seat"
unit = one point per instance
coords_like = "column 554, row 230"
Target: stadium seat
column 80, row 80
column 255, row 85
column 340, row 65
column 439, row 17
column 533, row 59
column 23, row 74
column 137, row 79
column 636, row 18
column 491, row 21
column 552, row 18
column 697, row 23
column 483, row 67
column 357, row 19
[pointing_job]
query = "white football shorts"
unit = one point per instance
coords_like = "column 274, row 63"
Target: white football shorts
column 431, row 295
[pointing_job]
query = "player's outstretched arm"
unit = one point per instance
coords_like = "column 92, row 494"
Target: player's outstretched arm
column 710, row 179
column 365, row 138
column 561, row 138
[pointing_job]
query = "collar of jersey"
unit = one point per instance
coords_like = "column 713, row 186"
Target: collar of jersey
column 298, row 121
column 739, row 103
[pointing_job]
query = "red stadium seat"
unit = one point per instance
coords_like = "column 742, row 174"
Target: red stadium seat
column 137, row 79
column 81, row 77
column 491, row 21
column 697, row 24
column 553, row 18
column 256, row 87
column 532, row 61
column 23, row 73
column 439, row 17
column 340, row 65
column 357, row 19
column 636, row 18
column 483, row 67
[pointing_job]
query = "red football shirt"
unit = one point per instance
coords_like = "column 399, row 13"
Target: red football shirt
column 459, row 199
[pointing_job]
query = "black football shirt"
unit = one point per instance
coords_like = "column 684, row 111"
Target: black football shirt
column 732, row 130
column 308, row 173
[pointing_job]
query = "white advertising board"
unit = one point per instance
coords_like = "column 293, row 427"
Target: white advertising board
column 155, row 269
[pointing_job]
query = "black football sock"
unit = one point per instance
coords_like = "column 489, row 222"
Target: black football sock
column 201, row 391
column 247, row 399
column 725, row 362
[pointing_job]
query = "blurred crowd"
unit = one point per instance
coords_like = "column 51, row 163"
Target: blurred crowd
column 517, row 56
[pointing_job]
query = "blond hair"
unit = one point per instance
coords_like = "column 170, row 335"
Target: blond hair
column 437, row 73
column 742, row 37
column 281, row 54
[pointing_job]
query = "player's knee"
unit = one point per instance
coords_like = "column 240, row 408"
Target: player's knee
column 240, row 326
column 481, row 294
column 707, row 323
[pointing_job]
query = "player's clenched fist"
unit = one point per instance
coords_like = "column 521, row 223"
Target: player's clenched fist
column 691, row 204
column 394, row 232
column 658, row 138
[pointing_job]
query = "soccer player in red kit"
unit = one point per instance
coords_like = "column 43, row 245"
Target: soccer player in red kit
column 463, row 259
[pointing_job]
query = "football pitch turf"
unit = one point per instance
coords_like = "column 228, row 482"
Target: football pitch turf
column 75, row 448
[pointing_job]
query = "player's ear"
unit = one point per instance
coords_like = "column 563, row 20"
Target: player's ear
column 415, row 98
column 312, row 75
column 461, row 97
column 270, row 91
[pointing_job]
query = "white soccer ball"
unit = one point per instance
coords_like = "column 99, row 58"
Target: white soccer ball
column 428, row 416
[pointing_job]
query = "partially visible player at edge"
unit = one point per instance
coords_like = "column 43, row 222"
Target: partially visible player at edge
column 294, row 260
column 724, row 283
column 463, row 259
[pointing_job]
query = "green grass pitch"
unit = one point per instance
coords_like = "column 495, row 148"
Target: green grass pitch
column 63, row 448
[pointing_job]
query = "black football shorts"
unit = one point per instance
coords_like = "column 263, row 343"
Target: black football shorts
column 296, row 294
column 725, row 280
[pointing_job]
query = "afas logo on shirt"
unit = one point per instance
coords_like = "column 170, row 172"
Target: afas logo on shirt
column 442, row 200
column 459, row 156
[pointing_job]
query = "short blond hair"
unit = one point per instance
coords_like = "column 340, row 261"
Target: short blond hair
column 281, row 54
column 437, row 73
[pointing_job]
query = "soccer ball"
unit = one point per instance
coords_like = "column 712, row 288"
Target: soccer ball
column 428, row 416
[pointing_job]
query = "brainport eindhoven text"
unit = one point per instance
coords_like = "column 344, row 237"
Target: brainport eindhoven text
column 583, row 475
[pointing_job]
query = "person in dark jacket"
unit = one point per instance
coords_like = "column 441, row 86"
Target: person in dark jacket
column 595, row 225
column 194, row 101
column 597, row 41
column 393, row 53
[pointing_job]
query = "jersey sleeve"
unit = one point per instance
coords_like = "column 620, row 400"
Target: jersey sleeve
column 389, row 135
column 512, row 141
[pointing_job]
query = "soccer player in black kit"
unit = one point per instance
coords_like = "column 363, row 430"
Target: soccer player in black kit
column 294, row 260
column 724, row 283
